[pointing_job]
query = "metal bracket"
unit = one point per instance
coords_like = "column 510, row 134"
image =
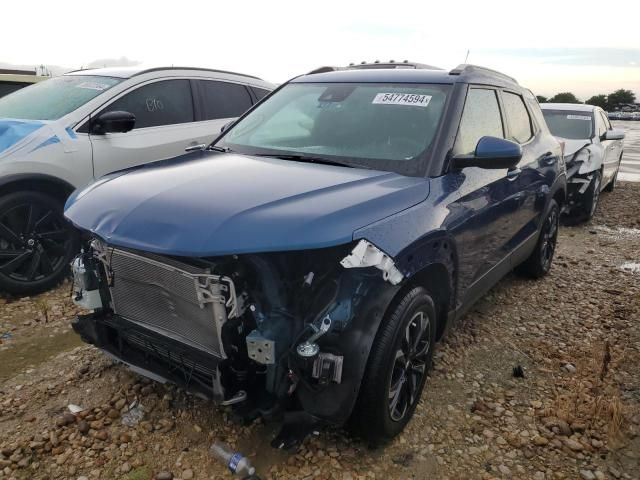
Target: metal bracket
column 260, row 349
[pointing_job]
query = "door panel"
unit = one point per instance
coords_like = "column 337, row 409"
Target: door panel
column 116, row 151
column 611, row 149
column 164, row 127
column 483, row 217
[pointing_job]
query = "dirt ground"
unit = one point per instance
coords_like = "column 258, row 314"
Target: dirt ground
column 575, row 414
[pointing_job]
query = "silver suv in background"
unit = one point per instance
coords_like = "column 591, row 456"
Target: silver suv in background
column 65, row 132
column 592, row 151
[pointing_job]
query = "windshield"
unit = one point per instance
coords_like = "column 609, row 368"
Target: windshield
column 54, row 98
column 574, row 125
column 379, row 126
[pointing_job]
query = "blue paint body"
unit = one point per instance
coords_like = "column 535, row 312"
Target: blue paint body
column 224, row 204
column 12, row 131
column 209, row 204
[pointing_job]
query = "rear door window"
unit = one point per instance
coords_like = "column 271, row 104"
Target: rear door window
column 223, row 99
column 168, row 102
column 481, row 117
column 518, row 118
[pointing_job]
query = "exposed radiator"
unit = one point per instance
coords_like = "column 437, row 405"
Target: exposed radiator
column 183, row 302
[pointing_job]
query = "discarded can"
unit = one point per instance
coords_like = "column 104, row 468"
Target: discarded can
column 237, row 463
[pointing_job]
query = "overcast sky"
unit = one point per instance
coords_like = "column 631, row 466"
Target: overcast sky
column 548, row 45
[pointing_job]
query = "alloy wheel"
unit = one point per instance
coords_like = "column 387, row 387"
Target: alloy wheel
column 34, row 240
column 410, row 365
column 549, row 238
column 596, row 195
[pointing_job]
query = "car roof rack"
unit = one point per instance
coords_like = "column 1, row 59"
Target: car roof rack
column 157, row 69
column 468, row 69
column 377, row 64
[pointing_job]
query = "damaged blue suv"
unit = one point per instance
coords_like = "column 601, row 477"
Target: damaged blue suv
column 302, row 267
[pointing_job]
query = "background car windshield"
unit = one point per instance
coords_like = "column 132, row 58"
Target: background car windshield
column 569, row 124
column 54, row 98
column 362, row 123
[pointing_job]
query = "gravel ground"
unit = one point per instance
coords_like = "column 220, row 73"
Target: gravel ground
column 575, row 414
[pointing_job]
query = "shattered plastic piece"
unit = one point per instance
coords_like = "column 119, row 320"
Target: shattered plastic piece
column 74, row 408
column 134, row 415
column 633, row 267
column 518, row 371
column 366, row 254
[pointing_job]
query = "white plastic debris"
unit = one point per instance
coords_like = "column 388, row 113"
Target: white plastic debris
column 633, row 267
column 75, row 408
column 366, row 254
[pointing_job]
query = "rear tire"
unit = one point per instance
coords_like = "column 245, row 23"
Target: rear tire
column 397, row 369
column 539, row 262
column 36, row 242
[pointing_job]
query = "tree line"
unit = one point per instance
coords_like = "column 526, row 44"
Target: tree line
column 609, row 102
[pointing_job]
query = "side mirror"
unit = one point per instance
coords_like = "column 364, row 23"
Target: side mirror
column 491, row 153
column 113, row 122
column 614, row 134
column 227, row 126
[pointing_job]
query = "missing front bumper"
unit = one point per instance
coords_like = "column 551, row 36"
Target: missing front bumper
column 153, row 355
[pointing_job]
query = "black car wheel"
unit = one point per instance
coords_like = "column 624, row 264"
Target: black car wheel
column 587, row 209
column 539, row 262
column 397, row 369
column 36, row 242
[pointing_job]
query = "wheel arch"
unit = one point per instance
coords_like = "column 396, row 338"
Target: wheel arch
column 56, row 187
column 432, row 263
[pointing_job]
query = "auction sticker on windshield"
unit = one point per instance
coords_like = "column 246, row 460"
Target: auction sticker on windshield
column 578, row 117
column 402, row 99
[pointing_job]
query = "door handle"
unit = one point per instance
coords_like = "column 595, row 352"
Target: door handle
column 513, row 174
column 195, row 148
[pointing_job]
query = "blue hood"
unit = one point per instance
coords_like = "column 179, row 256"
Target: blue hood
column 224, row 204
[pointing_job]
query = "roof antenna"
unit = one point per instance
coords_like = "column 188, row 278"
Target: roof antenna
column 467, row 56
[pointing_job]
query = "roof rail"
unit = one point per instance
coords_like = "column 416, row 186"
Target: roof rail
column 466, row 68
column 156, row 69
column 148, row 70
column 391, row 64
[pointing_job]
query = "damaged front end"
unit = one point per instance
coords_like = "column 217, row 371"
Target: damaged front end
column 582, row 167
column 280, row 335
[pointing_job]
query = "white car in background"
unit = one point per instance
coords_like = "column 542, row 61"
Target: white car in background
column 63, row 133
column 592, row 151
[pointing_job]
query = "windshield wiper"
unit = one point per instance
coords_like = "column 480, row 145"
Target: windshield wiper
column 304, row 158
column 216, row 148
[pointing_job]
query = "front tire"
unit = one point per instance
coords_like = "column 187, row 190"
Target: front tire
column 36, row 242
column 588, row 208
column 539, row 262
column 397, row 369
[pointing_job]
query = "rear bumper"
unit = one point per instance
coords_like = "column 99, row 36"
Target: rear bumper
column 151, row 354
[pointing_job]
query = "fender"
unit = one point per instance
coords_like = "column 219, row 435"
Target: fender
column 335, row 403
column 558, row 185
